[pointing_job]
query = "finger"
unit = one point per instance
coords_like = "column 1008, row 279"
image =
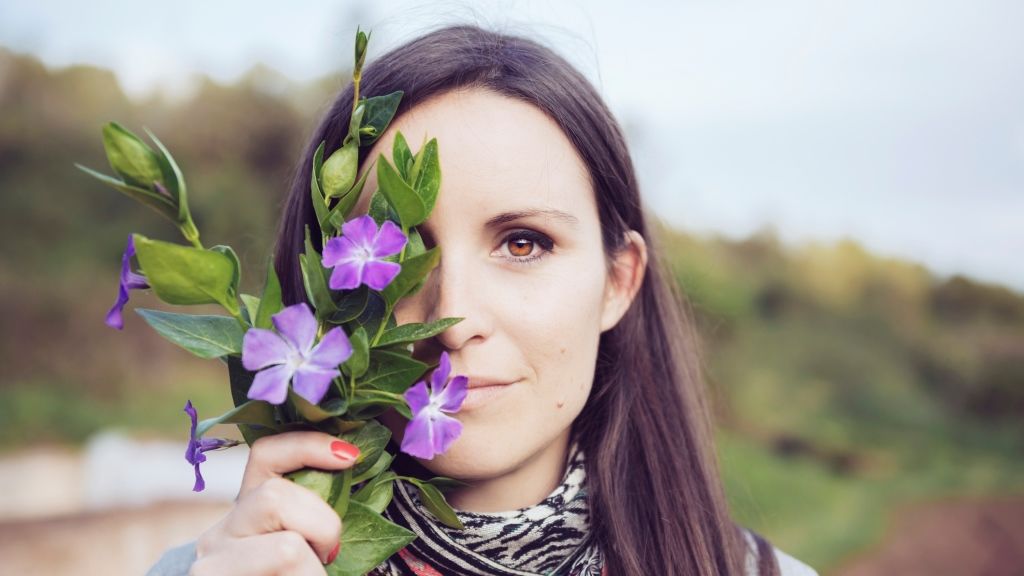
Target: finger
column 263, row 555
column 282, row 505
column 272, row 456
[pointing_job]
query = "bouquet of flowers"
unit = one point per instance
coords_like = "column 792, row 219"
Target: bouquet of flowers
column 331, row 367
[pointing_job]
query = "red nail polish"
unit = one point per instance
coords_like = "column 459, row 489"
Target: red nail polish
column 334, row 553
column 344, row 450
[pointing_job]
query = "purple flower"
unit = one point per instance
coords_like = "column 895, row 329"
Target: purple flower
column 129, row 281
column 430, row 431
column 357, row 254
column 292, row 357
column 196, row 447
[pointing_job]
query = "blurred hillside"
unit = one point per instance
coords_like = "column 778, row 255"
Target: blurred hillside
column 845, row 384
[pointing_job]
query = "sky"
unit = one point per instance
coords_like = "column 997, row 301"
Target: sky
column 897, row 124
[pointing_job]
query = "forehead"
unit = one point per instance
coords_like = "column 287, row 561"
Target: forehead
column 496, row 152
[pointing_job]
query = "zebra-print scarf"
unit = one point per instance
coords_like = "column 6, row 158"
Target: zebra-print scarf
column 550, row 538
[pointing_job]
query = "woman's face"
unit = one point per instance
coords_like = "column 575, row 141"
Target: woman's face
column 522, row 262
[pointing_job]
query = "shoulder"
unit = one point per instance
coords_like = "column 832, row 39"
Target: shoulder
column 788, row 566
column 175, row 562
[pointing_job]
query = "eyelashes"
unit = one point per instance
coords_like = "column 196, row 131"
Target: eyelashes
column 539, row 246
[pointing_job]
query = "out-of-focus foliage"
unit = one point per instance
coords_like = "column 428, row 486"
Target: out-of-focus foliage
column 844, row 383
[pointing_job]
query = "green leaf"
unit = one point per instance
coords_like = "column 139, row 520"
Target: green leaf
column 383, row 461
column 367, row 540
column 185, row 275
column 380, row 210
column 314, row 413
column 130, row 157
column 318, row 481
column 347, row 202
column 373, row 313
column 428, row 178
column 416, row 331
column 314, row 278
column 406, row 202
column 204, row 336
column 252, row 412
column 316, row 195
column 339, row 171
column 434, row 500
column 362, row 39
column 371, row 438
column 379, row 112
column 230, row 253
column 174, row 179
column 402, row 156
column 250, row 307
column 391, row 371
column 161, row 203
column 366, row 405
column 351, row 137
column 445, row 483
column 376, row 494
column 350, row 305
column 360, row 359
column 270, row 302
column 241, row 380
column 414, row 270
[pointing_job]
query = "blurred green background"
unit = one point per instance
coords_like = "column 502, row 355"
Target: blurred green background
column 850, row 389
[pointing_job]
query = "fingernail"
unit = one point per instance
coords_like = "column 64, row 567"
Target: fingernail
column 344, row 450
column 334, row 553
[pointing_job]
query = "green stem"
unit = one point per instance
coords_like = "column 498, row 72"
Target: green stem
column 383, row 324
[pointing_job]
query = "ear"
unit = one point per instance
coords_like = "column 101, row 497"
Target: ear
column 624, row 279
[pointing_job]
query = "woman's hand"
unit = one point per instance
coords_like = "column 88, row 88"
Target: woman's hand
column 277, row 526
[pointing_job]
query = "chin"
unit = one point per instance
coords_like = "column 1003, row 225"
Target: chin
column 471, row 458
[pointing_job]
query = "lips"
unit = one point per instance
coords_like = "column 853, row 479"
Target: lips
column 485, row 382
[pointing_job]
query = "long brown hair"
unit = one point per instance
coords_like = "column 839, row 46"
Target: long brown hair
column 656, row 500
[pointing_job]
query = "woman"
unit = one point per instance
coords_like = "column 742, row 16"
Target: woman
column 586, row 441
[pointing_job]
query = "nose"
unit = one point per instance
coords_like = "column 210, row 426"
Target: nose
column 453, row 290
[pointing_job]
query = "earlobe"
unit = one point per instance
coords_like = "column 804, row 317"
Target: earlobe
column 624, row 280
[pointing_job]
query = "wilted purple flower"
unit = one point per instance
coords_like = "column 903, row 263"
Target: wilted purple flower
column 129, row 281
column 356, row 255
column 196, row 447
column 290, row 354
column 430, row 431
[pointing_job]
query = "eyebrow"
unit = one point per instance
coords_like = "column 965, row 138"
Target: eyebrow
column 559, row 215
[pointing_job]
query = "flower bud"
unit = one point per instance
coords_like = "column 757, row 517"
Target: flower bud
column 130, row 157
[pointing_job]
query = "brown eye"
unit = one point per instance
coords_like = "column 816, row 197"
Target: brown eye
column 520, row 246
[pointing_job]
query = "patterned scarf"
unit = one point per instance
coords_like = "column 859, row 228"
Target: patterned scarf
column 551, row 538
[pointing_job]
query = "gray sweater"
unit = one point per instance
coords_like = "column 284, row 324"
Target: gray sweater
column 177, row 561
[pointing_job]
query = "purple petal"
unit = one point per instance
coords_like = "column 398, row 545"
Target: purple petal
column 346, row 275
column 333, row 349
column 311, row 382
column 271, row 385
column 440, row 375
column 389, row 240
column 339, row 250
column 361, row 231
column 134, row 281
column 262, row 348
column 200, row 484
column 377, row 274
column 430, row 433
column 114, row 318
column 450, row 399
column 128, row 281
column 446, row 431
column 297, row 324
column 418, row 440
column 417, row 397
column 194, row 416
